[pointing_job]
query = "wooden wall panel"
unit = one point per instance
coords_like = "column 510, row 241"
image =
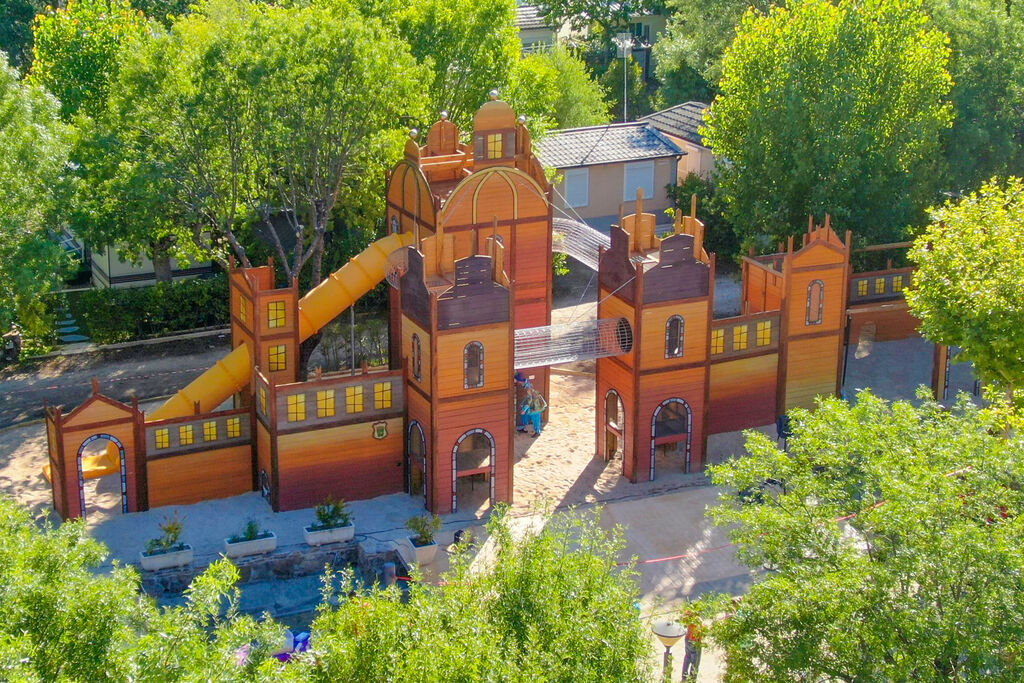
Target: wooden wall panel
column 263, row 449
column 345, row 462
column 409, row 328
column 653, row 326
column 187, row 479
column 892, row 323
column 614, row 307
column 743, row 393
column 97, row 412
column 497, row 365
column 454, row 419
column 818, row 254
column 811, row 369
column 834, row 311
column 654, row 389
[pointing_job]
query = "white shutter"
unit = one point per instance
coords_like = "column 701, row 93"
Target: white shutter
column 577, row 186
column 638, row 174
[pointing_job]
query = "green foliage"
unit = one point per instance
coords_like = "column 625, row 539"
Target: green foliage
column 719, row 234
column 33, row 154
column 16, row 17
column 250, row 532
column 170, row 536
column 424, row 526
column 638, row 98
column 967, row 288
column 557, row 88
column 678, row 80
column 77, row 48
column 894, row 538
column 559, row 263
column 831, row 109
column 332, row 513
column 602, row 17
column 108, row 315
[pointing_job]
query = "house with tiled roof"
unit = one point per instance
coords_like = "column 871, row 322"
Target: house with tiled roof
column 681, row 124
column 535, row 33
column 600, row 167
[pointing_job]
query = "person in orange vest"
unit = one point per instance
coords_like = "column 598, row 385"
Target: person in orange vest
column 692, row 647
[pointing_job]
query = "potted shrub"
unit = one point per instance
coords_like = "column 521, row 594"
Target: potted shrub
column 333, row 523
column 424, row 527
column 252, row 541
column 167, row 550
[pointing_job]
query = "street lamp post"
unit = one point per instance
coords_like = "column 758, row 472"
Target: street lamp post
column 669, row 632
column 625, row 43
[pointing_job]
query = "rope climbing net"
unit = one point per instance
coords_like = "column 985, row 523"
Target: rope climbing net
column 565, row 343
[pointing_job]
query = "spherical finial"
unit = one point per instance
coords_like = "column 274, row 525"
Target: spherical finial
column 444, row 115
column 494, row 94
column 414, row 133
column 522, row 118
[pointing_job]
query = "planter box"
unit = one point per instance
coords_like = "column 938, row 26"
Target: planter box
column 257, row 546
column 338, row 534
column 175, row 558
column 425, row 554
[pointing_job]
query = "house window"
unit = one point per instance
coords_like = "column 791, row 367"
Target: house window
column 494, row 146
column 717, row 340
column 263, row 400
column 764, row 333
column 739, row 337
column 275, row 314
column 382, row 395
column 417, row 358
column 816, row 301
column 577, row 186
column 638, row 175
column 879, row 285
column 278, row 359
column 162, row 437
column 325, row 403
column 862, row 287
column 243, row 310
column 473, row 365
column 296, row 407
column 897, row 284
column 354, row 399
column 234, row 427
column 210, row 431
column 674, row 337
column 185, row 435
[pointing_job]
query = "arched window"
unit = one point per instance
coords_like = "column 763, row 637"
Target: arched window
column 674, row 337
column 815, row 302
column 417, row 358
column 473, row 365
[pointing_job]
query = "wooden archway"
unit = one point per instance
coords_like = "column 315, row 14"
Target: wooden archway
column 669, row 433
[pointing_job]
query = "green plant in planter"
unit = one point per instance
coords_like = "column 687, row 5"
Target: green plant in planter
column 250, row 532
column 424, row 526
column 170, row 540
column 331, row 514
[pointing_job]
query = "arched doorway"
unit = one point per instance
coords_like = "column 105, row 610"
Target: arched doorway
column 473, row 464
column 96, row 455
column 671, row 429
column 614, row 415
column 416, row 461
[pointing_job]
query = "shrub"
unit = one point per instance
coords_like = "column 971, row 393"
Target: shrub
column 250, row 532
column 424, row 526
column 170, row 540
column 331, row 514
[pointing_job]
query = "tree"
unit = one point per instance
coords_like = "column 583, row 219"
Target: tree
column 638, row 101
column 831, row 108
column 555, row 90
column 16, row 18
column 605, row 17
column 893, row 537
column 76, row 51
column 33, row 153
column 967, row 286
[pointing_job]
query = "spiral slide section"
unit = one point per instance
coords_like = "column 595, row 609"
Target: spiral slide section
column 320, row 306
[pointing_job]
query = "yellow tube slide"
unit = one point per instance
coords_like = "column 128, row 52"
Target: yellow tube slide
column 321, row 305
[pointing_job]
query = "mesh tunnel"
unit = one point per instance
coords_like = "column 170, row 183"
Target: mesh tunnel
column 569, row 342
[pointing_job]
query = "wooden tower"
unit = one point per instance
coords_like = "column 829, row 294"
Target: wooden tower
column 653, row 398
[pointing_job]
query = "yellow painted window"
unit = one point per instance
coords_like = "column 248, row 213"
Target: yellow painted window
column 243, row 310
column 897, row 284
column 717, row 340
column 296, row 407
column 325, row 403
column 382, row 395
column 278, row 358
column 739, row 337
column 862, row 287
column 494, row 146
column 163, row 438
column 210, row 431
column 354, row 399
column 234, row 427
column 185, row 435
column 879, row 285
column 764, row 333
column 263, row 400
column 275, row 314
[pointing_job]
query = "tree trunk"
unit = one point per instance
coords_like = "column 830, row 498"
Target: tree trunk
column 161, row 263
column 306, row 349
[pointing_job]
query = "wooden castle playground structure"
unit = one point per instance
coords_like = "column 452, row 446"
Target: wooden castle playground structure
column 468, row 256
